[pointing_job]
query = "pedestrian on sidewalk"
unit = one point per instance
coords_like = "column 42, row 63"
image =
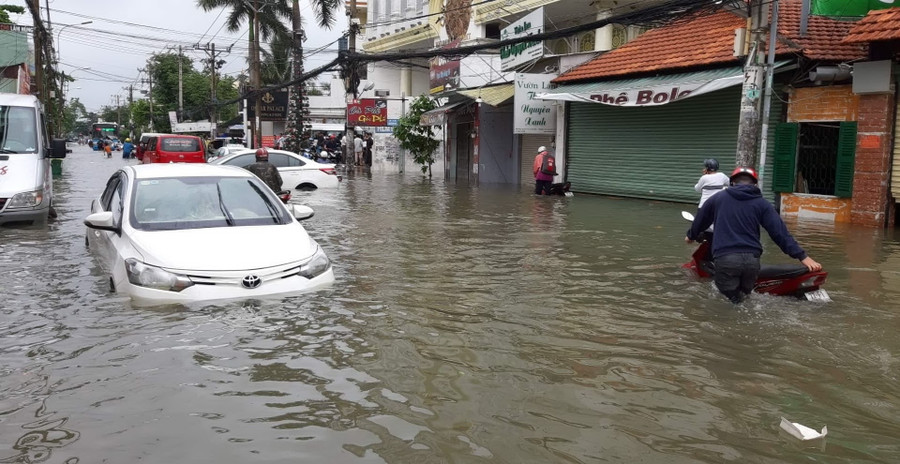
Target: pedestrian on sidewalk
column 370, row 142
column 544, row 169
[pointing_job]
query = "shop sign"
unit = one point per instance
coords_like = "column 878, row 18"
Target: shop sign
column 444, row 71
column 532, row 116
column 646, row 97
column 367, row 112
column 514, row 55
column 272, row 106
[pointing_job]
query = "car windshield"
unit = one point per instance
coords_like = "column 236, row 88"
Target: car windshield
column 180, row 144
column 18, row 130
column 203, row 202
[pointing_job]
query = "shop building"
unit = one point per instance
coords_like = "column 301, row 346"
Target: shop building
column 639, row 120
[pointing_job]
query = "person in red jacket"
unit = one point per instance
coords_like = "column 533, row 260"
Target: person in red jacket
column 544, row 169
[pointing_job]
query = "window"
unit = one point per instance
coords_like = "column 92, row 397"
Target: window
column 111, row 200
column 279, row 160
column 152, row 143
column 242, row 160
column 492, row 31
column 295, row 161
column 181, row 145
column 18, row 129
column 815, row 157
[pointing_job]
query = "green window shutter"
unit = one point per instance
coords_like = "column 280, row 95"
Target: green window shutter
column 785, row 157
column 846, row 160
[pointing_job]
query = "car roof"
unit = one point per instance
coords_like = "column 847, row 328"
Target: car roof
column 158, row 170
column 11, row 99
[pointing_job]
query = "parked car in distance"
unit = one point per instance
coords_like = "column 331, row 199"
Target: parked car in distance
column 171, row 148
column 26, row 184
column 226, row 150
column 296, row 171
column 195, row 232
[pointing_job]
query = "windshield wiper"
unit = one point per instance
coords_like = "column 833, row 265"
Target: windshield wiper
column 275, row 218
column 228, row 218
column 4, row 150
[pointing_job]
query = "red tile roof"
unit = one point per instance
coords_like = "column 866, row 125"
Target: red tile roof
column 877, row 25
column 709, row 40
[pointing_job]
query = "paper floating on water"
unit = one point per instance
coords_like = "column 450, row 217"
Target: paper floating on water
column 801, row 431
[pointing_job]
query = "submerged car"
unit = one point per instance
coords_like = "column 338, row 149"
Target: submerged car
column 296, row 171
column 195, row 232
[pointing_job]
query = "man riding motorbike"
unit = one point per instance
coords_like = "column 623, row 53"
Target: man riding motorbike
column 737, row 215
column 267, row 172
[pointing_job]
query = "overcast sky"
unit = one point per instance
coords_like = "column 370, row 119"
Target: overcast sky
column 157, row 24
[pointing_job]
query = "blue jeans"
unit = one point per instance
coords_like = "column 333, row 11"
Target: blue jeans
column 736, row 275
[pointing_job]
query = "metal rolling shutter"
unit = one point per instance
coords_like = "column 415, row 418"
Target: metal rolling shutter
column 895, row 175
column 527, row 152
column 654, row 152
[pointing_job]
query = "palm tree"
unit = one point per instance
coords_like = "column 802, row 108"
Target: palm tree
column 275, row 67
column 268, row 14
column 325, row 12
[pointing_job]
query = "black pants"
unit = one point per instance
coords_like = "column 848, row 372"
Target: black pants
column 736, row 275
column 542, row 187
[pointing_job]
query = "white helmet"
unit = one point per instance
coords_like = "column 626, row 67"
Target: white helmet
column 542, row 148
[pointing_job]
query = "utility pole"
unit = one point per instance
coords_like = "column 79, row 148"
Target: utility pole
column 257, row 136
column 131, row 111
column 180, row 88
column 767, row 92
column 297, row 105
column 149, row 80
column 213, row 60
column 118, row 111
column 750, row 120
column 35, row 7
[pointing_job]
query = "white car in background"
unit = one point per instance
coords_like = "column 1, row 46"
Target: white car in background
column 177, row 233
column 297, row 172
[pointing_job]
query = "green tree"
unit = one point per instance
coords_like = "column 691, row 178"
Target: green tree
column 73, row 111
column 418, row 140
column 5, row 10
column 275, row 67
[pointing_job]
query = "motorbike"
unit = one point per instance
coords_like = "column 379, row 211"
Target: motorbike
column 284, row 196
column 561, row 189
column 794, row 280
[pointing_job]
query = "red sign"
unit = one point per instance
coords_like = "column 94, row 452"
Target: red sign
column 268, row 141
column 367, row 112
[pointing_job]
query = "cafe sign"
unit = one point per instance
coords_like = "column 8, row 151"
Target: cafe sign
column 367, row 112
column 512, row 56
column 530, row 115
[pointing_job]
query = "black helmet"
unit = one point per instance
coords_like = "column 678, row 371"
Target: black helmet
column 711, row 164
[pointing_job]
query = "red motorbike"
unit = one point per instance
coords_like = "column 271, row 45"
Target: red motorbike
column 284, row 196
column 776, row 279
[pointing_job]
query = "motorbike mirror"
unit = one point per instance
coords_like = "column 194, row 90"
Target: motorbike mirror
column 688, row 216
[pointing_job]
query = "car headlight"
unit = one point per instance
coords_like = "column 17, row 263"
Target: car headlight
column 317, row 265
column 26, row 199
column 144, row 275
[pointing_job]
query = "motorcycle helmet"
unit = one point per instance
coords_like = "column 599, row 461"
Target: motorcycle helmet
column 542, row 149
column 744, row 171
column 128, row 139
column 262, row 154
column 711, row 164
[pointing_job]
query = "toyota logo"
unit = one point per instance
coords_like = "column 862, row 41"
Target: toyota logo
column 251, row 281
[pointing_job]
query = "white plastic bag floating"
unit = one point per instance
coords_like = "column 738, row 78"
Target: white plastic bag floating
column 801, row 431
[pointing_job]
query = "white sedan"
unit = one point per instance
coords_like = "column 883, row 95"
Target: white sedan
column 296, row 171
column 196, row 232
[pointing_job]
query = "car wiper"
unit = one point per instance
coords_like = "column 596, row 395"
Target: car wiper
column 228, row 218
column 4, row 150
column 265, row 200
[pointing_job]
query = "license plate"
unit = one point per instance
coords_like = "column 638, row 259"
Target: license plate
column 570, row 194
column 819, row 296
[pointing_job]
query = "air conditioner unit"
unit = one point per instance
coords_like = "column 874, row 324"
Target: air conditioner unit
column 382, row 93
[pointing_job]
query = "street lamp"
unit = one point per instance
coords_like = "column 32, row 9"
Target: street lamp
column 59, row 35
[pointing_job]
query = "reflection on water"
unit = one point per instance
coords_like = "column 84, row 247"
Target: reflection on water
column 466, row 325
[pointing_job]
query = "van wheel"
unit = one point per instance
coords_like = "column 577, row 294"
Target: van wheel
column 112, row 285
column 52, row 212
column 306, row 187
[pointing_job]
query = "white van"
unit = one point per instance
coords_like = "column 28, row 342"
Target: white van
column 26, row 183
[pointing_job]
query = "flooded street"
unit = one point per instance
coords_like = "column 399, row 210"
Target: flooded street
column 467, row 325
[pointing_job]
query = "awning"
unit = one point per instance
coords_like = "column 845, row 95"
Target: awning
column 650, row 91
column 437, row 116
column 495, row 95
column 327, row 127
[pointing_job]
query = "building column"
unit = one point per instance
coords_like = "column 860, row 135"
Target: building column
column 871, row 179
column 603, row 37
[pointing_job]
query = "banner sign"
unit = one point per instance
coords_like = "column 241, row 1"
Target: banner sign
column 272, row 106
column 367, row 112
column 645, row 94
column 530, row 115
column 514, row 55
column 444, row 71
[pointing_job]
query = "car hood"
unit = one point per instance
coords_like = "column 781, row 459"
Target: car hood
column 19, row 173
column 224, row 248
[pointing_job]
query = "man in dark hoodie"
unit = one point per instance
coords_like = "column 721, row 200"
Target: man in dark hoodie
column 737, row 215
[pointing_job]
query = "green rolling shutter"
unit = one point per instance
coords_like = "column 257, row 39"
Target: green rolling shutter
column 785, row 157
column 654, row 152
column 846, row 160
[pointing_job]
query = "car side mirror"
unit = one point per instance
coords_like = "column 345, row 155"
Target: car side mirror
column 101, row 221
column 301, row 212
column 58, row 148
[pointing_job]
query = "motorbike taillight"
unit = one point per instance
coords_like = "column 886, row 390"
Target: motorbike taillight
column 813, row 281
